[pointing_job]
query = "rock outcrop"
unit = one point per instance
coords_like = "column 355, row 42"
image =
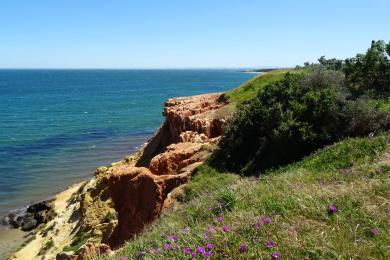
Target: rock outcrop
column 138, row 197
column 36, row 214
column 191, row 128
column 121, row 199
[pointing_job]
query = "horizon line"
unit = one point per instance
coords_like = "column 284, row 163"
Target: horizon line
column 140, row 68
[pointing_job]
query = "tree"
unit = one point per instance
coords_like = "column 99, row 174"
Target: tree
column 369, row 72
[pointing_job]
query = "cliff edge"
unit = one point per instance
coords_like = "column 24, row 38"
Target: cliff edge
column 121, row 199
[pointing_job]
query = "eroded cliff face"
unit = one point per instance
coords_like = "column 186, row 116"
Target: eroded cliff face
column 124, row 197
column 192, row 127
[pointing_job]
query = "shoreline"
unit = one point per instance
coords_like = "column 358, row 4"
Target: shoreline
column 11, row 239
column 83, row 208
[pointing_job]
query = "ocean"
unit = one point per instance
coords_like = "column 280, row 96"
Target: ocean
column 58, row 126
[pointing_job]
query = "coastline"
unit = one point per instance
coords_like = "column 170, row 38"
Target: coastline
column 60, row 204
column 12, row 239
column 191, row 128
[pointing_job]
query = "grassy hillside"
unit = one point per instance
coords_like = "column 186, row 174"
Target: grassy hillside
column 227, row 215
column 311, row 191
column 250, row 88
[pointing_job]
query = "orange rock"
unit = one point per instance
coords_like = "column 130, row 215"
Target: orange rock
column 90, row 251
column 140, row 193
column 193, row 114
column 176, row 157
column 138, row 197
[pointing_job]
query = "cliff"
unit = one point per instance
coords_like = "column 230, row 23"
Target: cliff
column 121, row 199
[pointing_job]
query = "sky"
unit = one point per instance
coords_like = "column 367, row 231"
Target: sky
column 184, row 33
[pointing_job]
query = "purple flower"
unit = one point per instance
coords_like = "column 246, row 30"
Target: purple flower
column 193, row 254
column 200, row 249
column 123, row 258
column 167, row 246
column 275, row 255
column 267, row 220
column 243, row 246
column 172, row 238
column 210, row 246
column 211, row 230
column 207, row 254
column 220, row 219
column 186, row 250
column 332, row 208
column 226, row 228
column 206, row 236
column 259, row 224
column 375, row 232
column 270, row 244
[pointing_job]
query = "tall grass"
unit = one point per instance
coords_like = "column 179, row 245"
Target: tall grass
column 283, row 212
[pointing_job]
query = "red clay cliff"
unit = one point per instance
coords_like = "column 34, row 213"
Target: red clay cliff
column 139, row 193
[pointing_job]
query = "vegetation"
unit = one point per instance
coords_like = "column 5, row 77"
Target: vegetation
column 293, row 116
column 367, row 73
column 110, row 216
column 249, row 89
column 315, row 142
column 352, row 176
column 49, row 244
column 79, row 240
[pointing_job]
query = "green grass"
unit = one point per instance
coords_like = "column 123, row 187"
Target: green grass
column 250, row 88
column 352, row 174
column 77, row 242
column 381, row 104
column 49, row 244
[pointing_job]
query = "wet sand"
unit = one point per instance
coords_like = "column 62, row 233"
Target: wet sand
column 10, row 240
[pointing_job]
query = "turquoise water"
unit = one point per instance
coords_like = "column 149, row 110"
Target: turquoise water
column 57, row 126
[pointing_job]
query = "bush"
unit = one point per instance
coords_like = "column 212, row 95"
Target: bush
column 292, row 117
column 370, row 72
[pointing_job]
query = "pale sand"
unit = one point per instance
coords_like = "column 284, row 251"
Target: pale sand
column 10, row 240
column 62, row 232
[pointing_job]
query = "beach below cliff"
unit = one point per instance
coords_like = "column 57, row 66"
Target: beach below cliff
column 10, row 239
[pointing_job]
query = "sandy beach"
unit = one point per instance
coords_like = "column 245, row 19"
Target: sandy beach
column 10, row 240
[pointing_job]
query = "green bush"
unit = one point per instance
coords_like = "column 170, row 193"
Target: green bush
column 292, row 117
column 366, row 73
column 370, row 72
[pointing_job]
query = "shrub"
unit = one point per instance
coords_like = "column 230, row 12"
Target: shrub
column 290, row 118
column 370, row 72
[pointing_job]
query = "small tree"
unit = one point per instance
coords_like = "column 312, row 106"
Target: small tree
column 369, row 72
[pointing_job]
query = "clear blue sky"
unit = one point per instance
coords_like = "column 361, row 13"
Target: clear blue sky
column 184, row 33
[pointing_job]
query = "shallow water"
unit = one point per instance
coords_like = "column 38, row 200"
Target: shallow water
column 57, row 126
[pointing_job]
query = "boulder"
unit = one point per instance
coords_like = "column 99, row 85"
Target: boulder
column 41, row 217
column 29, row 224
column 16, row 222
column 66, row 256
column 91, row 251
column 11, row 216
column 5, row 220
column 40, row 206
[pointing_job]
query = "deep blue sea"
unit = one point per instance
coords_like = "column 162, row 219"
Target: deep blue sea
column 57, row 126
